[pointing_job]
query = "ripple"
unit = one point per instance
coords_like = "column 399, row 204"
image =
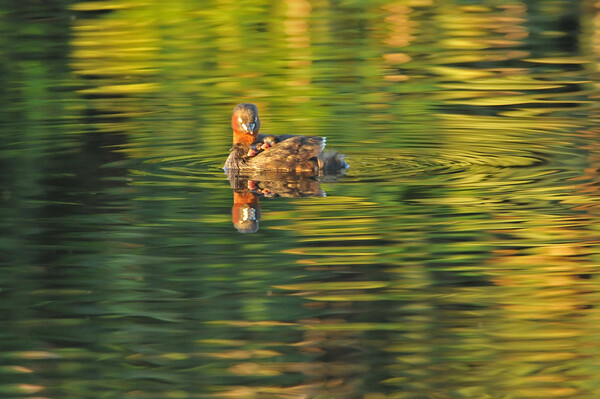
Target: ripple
column 186, row 166
column 366, row 167
column 377, row 168
column 433, row 164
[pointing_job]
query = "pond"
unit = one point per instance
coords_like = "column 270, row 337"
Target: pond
column 457, row 257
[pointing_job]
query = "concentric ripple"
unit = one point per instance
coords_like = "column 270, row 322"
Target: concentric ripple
column 425, row 162
column 365, row 167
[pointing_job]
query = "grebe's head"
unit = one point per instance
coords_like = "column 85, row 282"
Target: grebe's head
column 245, row 120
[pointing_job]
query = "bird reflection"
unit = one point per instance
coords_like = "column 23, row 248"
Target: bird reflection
column 249, row 187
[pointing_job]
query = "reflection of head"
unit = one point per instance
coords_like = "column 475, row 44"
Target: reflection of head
column 245, row 212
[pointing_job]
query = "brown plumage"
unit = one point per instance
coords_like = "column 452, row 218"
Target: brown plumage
column 284, row 153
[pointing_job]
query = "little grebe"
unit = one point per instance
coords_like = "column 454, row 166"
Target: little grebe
column 285, row 153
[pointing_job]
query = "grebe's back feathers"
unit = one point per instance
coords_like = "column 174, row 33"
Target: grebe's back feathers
column 291, row 153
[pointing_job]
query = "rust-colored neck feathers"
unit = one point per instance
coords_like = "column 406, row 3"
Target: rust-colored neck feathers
column 245, row 124
column 241, row 137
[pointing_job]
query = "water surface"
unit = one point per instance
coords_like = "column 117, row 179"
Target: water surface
column 457, row 258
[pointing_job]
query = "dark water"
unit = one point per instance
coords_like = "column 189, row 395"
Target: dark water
column 458, row 257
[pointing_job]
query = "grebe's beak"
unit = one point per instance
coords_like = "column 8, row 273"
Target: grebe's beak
column 249, row 128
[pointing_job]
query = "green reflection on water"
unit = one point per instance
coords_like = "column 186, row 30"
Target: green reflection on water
column 457, row 258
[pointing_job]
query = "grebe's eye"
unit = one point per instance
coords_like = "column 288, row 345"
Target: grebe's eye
column 240, row 119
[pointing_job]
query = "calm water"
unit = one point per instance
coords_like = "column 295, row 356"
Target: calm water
column 459, row 257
